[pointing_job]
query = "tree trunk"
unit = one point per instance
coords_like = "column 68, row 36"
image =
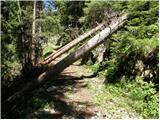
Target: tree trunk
column 70, row 45
column 67, row 61
column 33, row 33
column 100, row 56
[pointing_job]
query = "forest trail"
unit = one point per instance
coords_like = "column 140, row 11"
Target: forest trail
column 119, row 78
column 77, row 101
column 71, row 98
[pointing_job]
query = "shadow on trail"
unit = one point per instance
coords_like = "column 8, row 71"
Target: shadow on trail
column 34, row 105
column 62, row 109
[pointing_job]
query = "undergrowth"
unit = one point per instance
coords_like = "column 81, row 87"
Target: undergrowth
column 134, row 95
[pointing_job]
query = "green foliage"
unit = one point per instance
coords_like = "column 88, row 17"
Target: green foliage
column 136, row 41
column 70, row 11
column 145, row 98
column 50, row 26
column 62, row 21
column 98, row 12
column 65, row 38
column 125, row 54
column 96, row 67
column 132, row 56
column 130, row 94
column 38, row 101
column 8, row 40
column 110, row 73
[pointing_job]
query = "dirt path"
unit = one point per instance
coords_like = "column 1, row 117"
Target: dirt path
column 69, row 97
column 80, row 96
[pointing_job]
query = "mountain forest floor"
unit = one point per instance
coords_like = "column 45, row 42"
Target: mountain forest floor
column 74, row 95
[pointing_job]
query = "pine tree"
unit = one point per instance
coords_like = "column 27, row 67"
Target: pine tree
column 140, row 30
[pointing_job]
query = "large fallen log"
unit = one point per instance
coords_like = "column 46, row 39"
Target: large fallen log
column 70, row 45
column 68, row 60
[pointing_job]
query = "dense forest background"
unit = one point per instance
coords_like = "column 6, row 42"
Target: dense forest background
column 129, row 60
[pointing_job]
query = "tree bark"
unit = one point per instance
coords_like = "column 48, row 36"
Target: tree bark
column 101, row 51
column 70, row 45
column 33, row 33
column 67, row 61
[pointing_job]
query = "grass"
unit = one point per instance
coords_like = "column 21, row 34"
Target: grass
column 128, row 96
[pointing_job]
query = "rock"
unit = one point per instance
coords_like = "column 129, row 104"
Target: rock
column 52, row 88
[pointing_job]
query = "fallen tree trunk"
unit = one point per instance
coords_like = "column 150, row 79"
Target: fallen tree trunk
column 70, row 45
column 67, row 61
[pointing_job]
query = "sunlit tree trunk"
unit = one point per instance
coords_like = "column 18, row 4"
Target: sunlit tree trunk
column 33, row 33
column 70, row 45
column 22, row 36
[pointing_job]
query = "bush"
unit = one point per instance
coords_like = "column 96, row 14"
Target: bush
column 132, row 95
column 145, row 94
